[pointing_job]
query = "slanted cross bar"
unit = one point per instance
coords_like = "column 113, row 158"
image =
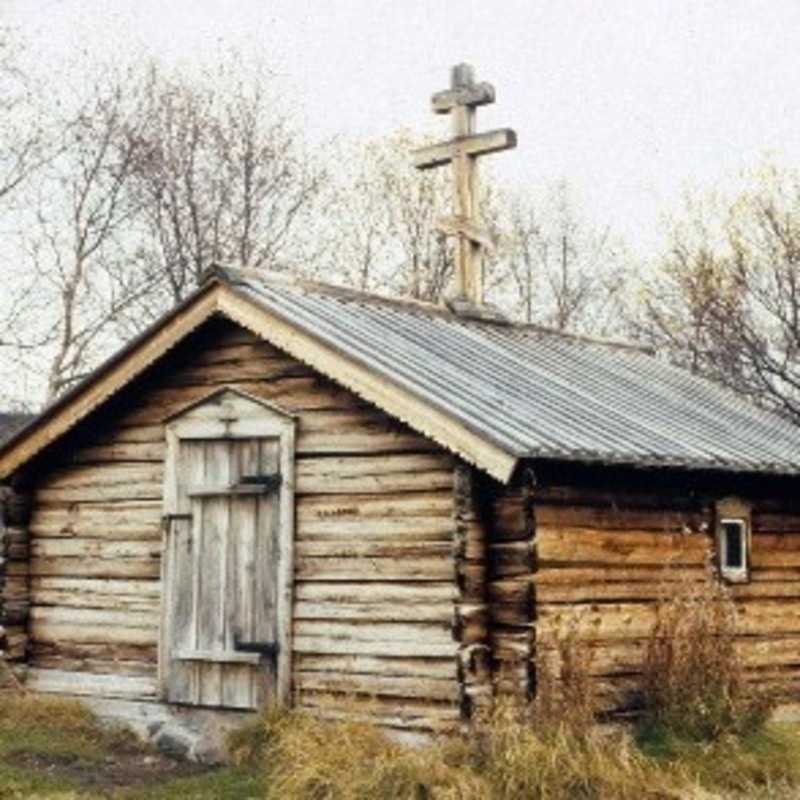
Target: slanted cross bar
column 462, row 151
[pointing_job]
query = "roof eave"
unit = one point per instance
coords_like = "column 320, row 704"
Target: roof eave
column 217, row 295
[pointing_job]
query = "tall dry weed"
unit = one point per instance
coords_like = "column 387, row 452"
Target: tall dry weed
column 565, row 698
column 694, row 681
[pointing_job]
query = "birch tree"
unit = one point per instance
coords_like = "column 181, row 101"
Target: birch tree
column 725, row 299
column 78, row 236
column 558, row 270
column 382, row 231
column 22, row 137
column 221, row 177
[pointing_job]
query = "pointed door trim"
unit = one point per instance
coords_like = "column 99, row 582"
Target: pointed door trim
column 229, row 413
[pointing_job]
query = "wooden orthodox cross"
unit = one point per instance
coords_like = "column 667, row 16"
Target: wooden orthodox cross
column 462, row 151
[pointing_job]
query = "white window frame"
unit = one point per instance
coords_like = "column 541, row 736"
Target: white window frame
column 741, row 573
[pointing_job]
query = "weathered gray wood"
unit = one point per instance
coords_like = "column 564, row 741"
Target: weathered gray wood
column 473, row 145
column 78, row 683
column 218, row 656
column 229, row 586
column 462, row 151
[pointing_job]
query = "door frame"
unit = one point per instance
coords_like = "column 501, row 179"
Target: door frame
column 228, row 413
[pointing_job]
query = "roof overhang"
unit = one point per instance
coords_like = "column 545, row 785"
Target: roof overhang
column 218, row 297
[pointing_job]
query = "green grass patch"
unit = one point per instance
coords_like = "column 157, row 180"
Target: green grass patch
column 53, row 749
column 764, row 762
column 227, row 783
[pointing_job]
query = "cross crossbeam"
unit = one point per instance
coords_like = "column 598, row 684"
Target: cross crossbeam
column 462, row 152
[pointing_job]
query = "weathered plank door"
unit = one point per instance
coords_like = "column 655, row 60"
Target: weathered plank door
column 227, row 568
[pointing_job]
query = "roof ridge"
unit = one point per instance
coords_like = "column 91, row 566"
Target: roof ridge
column 267, row 277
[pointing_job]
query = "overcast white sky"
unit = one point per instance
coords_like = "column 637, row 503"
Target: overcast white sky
column 630, row 101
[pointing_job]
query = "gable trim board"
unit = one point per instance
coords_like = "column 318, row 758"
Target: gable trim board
column 219, row 298
column 386, row 395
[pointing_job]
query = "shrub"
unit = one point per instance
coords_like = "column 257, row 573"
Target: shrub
column 694, row 683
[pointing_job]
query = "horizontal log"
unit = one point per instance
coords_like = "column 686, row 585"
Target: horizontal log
column 512, row 519
column 218, row 353
column 101, row 493
column 762, row 617
column 642, row 591
column 596, row 622
column 360, row 442
column 421, row 632
column 331, row 508
column 428, row 716
column 378, row 685
column 135, row 433
column 293, row 394
column 771, row 522
column 564, row 545
column 627, row 499
column 512, row 614
column 627, row 656
column 79, row 683
column 393, row 529
column 360, row 549
column 444, row 592
column 94, row 593
column 58, row 632
column 385, row 612
column 373, row 474
column 95, row 548
column 774, row 589
column 510, row 590
column 111, row 475
column 97, row 667
column 258, row 368
column 578, row 575
column 320, row 644
column 511, row 644
column 121, row 618
column 636, row 620
column 116, row 520
column 511, row 558
column 69, row 567
column 444, row 668
column 618, row 519
column 130, row 452
column 375, row 569
column 95, row 652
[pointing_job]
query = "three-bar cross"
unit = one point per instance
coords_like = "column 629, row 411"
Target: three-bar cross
column 462, row 151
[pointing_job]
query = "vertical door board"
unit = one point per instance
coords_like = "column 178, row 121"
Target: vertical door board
column 228, row 559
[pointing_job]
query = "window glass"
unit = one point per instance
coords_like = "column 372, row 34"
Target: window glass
column 733, row 544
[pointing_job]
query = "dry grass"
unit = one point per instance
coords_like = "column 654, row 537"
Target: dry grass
column 307, row 759
column 694, row 683
column 553, row 748
column 312, row 760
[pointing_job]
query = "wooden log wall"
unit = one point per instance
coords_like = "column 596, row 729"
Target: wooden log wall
column 375, row 529
column 608, row 556
column 472, row 626
column 14, row 578
column 511, row 589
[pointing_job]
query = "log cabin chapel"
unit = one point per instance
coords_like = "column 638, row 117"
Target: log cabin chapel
column 289, row 492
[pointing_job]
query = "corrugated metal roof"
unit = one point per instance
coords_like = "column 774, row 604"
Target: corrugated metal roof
column 536, row 393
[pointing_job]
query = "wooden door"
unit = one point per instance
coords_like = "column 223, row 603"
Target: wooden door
column 223, row 635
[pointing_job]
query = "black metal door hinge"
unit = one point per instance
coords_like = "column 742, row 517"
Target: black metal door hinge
column 266, row 649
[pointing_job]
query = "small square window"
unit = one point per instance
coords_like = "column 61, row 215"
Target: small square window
column 733, row 556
